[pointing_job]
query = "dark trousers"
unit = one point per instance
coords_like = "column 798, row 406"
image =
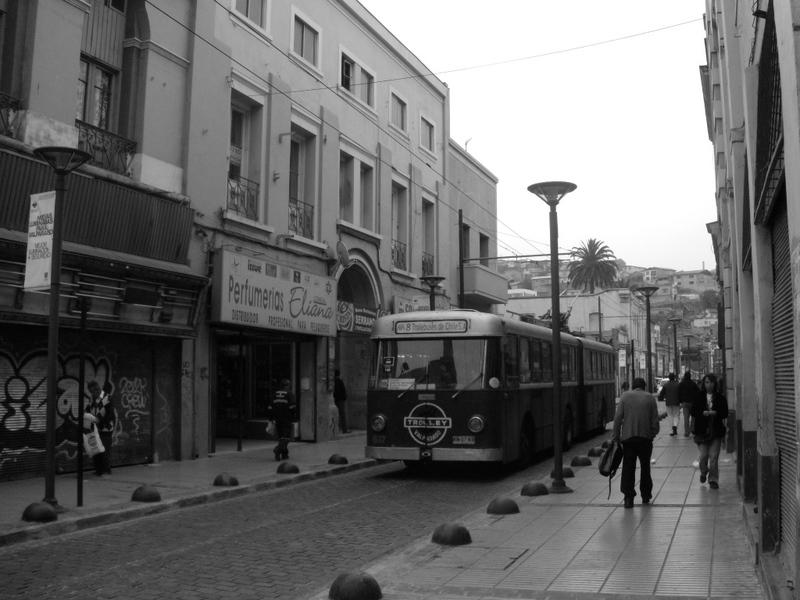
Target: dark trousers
column 632, row 449
column 102, row 461
column 342, row 408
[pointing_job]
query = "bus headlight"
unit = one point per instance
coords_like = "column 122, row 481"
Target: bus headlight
column 378, row 423
column 476, row 424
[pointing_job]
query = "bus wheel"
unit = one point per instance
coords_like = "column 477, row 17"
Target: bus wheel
column 568, row 437
column 526, row 444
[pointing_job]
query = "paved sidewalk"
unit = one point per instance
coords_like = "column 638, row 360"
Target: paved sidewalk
column 107, row 499
column 690, row 543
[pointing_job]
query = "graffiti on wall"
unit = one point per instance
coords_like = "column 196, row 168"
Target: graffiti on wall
column 23, row 403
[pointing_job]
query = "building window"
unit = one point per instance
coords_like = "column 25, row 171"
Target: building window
column 484, row 249
column 302, row 175
column 306, row 40
column 254, row 10
column 357, row 80
column 428, row 237
column 366, row 180
column 94, row 95
column 398, row 112
column 243, row 175
column 116, row 4
column 465, row 240
column 399, row 226
column 346, row 175
column 426, row 134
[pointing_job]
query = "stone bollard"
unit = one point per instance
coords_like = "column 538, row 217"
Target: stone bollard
column 355, row 586
column 580, row 461
column 41, row 512
column 502, row 506
column 451, row 534
column 534, row 488
column 337, row 459
column 565, row 473
column 596, row 451
column 605, row 444
column 225, row 479
column 286, row 468
column 146, row 493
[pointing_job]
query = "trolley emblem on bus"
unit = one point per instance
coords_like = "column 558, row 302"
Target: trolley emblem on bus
column 427, row 424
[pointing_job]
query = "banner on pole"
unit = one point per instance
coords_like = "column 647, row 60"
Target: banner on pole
column 38, row 258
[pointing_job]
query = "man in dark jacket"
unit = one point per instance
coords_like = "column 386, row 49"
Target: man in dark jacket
column 687, row 393
column 635, row 425
column 669, row 395
column 340, row 399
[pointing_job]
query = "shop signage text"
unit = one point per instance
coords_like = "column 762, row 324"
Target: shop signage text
column 257, row 293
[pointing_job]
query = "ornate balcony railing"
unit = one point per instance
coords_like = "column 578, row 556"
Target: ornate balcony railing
column 108, row 150
column 399, row 254
column 301, row 218
column 9, row 109
column 427, row 264
column 243, row 197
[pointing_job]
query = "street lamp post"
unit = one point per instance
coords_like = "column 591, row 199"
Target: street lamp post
column 63, row 161
column 675, row 321
column 646, row 291
column 432, row 281
column 688, row 353
column 551, row 192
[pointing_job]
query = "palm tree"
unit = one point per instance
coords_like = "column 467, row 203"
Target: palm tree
column 592, row 264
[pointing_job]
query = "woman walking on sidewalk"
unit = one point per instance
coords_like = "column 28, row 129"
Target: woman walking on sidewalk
column 709, row 412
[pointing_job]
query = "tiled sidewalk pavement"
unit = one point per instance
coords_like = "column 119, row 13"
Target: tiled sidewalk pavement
column 690, row 543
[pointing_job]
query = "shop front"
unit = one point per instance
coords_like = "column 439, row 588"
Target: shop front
column 270, row 321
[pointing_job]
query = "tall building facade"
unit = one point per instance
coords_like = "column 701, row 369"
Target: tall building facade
column 267, row 178
column 753, row 109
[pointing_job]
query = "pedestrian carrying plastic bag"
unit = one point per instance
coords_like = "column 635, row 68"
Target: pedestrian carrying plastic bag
column 271, row 428
column 610, row 461
column 92, row 443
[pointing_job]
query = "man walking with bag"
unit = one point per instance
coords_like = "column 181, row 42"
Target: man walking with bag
column 669, row 394
column 635, row 426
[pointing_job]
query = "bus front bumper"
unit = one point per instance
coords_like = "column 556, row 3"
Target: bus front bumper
column 437, row 454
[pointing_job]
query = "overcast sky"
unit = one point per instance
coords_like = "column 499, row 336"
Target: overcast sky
column 540, row 91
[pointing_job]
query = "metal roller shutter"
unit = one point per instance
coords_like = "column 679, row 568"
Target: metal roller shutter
column 785, row 420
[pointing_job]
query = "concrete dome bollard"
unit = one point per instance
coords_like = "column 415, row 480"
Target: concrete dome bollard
column 355, row 586
column 286, row 468
column 225, row 479
column 146, row 493
column 41, row 512
column 565, row 472
column 337, row 459
column 605, row 444
column 596, row 451
column 534, row 488
column 580, row 461
column 502, row 506
column 451, row 534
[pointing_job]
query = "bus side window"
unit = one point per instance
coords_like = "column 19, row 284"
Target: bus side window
column 511, row 360
column 524, row 360
column 536, row 360
column 547, row 361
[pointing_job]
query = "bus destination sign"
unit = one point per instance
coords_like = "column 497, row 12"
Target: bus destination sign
column 440, row 326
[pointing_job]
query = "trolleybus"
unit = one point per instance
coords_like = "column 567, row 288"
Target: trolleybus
column 461, row 385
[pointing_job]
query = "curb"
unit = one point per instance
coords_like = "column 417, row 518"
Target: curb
column 127, row 512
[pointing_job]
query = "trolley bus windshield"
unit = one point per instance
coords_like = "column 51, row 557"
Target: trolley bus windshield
column 430, row 364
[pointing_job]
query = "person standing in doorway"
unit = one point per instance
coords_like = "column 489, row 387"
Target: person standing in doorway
column 282, row 409
column 687, row 392
column 635, row 426
column 105, row 417
column 670, row 396
column 340, row 399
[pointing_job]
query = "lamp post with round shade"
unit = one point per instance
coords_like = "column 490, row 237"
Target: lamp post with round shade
column 63, row 161
column 432, row 281
column 551, row 192
column 645, row 291
column 675, row 321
